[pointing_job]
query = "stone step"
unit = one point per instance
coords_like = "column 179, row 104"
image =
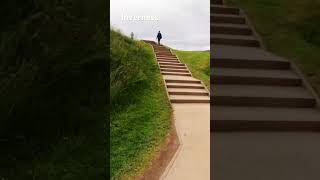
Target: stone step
column 173, row 70
column 183, row 81
column 164, row 53
column 176, row 73
column 235, row 40
column 230, row 19
column 255, row 77
column 217, row 2
column 245, row 57
column 233, row 29
column 169, row 58
column 267, row 96
column 170, row 63
column 189, row 99
column 162, row 50
column 173, row 67
column 183, row 91
column 235, row 118
column 185, row 85
column 218, row 9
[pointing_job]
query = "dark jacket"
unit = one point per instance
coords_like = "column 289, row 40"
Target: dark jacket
column 159, row 36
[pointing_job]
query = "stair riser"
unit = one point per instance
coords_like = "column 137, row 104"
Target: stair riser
column 262, row 101
column 271, row 125
column 189, row 101
column 166, row 57
column 256, row 81
column 174, row 70
column 189, row 93
column 182, row 81
column 173, row 67
column 231, row 20
column 184, row 86
column 224, row 10
column 230, row 30
column 219, row 2
column 249, row 64
column 171, row 58
column 164, row 53
column 235, row 42
column 168, row 63
column 175, row 74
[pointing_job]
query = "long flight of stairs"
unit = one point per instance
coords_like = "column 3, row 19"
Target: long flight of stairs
column 181, row 86
column 252, row 89
column 265, row 117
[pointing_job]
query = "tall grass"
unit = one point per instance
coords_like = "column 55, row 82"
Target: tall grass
column 140, row 112
column 53, row 92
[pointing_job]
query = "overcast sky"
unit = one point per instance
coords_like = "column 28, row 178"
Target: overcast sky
column 184, row 24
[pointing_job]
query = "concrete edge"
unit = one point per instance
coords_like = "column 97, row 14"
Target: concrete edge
column 168, row 149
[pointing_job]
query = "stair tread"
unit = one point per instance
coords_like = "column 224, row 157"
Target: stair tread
column 177, row 73
column 185, row 84
column 243, row 53
column 226, row 15
column 264, row 113
column 174, row 69
column 171, row 63
column 172, row 77
column 260, row 91
column 243, row 26
column 240, row 37
column 189, row 97
column 256, row 73
column 186, row 90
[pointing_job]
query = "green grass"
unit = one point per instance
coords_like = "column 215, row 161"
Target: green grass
column 140, row 112
column 290, row 29
column 198, row 62
column 53, row 91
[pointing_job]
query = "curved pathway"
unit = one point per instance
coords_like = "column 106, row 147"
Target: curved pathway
column 191, row 111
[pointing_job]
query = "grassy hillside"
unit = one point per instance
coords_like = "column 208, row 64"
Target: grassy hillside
column 198, row 63
column 53, row 92
column 289, row 28
column 140, row 111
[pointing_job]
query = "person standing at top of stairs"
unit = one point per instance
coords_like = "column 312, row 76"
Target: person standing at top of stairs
column 159, row 37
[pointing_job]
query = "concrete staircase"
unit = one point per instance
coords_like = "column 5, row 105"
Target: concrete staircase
column 190, row 102
column 252, row 88
column 181, row 86
column 264, row 115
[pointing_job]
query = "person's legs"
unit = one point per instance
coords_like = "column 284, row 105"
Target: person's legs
column 158, row 41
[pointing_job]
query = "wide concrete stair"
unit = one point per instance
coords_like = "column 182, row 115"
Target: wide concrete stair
column 249, row 81
column 264, row 115
column 181, row 86
column 229, row 27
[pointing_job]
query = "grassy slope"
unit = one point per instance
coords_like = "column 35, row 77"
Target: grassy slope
column 198, row 62
column 290, row 29
column 52, row 88
column 141, row 113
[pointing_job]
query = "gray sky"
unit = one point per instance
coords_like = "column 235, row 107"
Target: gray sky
column 184, row 24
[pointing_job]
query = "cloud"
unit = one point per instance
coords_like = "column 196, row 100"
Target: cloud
column 184, row 24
